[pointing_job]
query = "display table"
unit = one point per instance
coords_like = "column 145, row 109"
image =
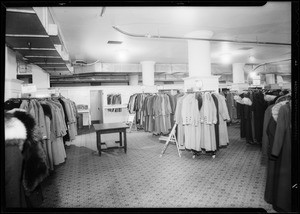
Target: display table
column 107, row 128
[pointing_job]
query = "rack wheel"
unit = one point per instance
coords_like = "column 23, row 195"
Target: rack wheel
column 160, row 155
column 213, row 156
column 194, row 156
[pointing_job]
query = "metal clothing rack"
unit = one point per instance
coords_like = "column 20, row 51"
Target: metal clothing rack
column 34, row 98
column 191, row 91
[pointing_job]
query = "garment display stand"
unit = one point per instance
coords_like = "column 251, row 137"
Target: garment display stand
column 131, row 122
column 169, row 139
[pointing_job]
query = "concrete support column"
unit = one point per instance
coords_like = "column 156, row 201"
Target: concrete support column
column 134, row 79
column 199, row 54
column 270, row 79
column 148, row 72
column 199, row 59
column 238, row 75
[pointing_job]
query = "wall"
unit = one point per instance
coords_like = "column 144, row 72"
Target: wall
column 10, row 64
column 40, row 78
column 81, row 95
column 12, row 85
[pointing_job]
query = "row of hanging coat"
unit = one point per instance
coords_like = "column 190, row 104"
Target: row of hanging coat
column 158, row 111
column 114, row 99
column 135, row 104
column 202, row 121
column 252, row 106
column 154, row 112
column 276, row 147
column 233, row 111
column 56, row 120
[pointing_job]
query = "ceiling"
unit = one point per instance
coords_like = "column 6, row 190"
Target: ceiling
column 86, row 32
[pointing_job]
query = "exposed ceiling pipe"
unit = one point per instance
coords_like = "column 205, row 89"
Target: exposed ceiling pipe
column 266, row 63
column 201, row 39
column 102, row 11
column 269, row 63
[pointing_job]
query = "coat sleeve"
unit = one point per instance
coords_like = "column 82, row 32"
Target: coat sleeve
column 184, row 111
column 13, row 176
column 265, row 140
column 280, row 131
column 224, row 110
column 214, row 110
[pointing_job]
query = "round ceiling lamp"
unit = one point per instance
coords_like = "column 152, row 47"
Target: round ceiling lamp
column 252, row 74
column 251, row 58
column 226, row 58
column 122, row 55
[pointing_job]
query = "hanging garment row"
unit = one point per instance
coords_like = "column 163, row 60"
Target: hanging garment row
column 114, row 99
column 158, row 113
column 202, row 121
column 154, row 112
column 233, row 111
column 252, row 105
column 276, row 148
column 134, row 105
column 55, row 119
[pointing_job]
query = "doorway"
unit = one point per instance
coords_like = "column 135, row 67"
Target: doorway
column 96, row 106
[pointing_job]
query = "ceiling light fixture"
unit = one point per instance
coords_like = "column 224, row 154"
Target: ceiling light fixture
column 251, row 58
column 122, row 55
column 226, row 58
column 252, row 74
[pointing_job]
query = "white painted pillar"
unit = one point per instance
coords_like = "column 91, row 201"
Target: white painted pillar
column 148, row 72
column 134, row 79
column 238, row 74
column 200, row 77
column 199, row 54
column 270, row 79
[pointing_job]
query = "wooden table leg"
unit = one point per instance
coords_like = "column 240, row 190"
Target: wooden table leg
column 99, row 142
column 125, row 141
column 120, row 135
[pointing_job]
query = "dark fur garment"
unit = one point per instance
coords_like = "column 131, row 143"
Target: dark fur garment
column 35, row 167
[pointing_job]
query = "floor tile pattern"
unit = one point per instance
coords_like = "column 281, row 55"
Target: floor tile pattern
column 141, row 178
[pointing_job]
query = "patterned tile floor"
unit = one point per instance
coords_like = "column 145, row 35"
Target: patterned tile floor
column 141, row 178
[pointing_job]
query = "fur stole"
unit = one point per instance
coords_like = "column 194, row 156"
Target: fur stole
column 21, row 130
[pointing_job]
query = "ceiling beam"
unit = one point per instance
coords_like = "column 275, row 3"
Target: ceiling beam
column 26, row 35
column 53, row 57
column 20, row 10
column 35, row 49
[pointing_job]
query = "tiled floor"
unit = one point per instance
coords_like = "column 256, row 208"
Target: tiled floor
column 141, row 178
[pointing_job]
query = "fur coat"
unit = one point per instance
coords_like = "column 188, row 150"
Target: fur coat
column 23, row 138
